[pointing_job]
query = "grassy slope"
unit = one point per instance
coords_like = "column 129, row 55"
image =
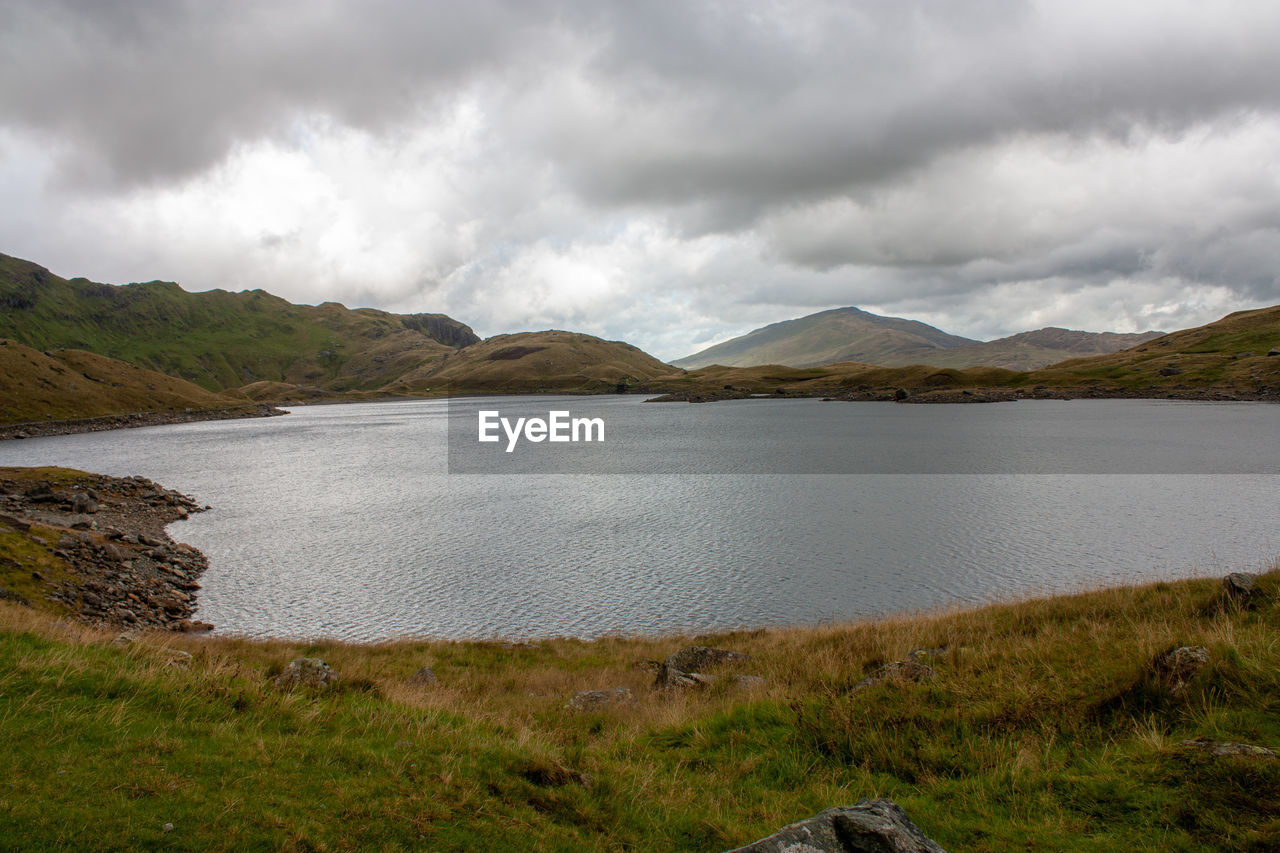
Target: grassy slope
column 538, row 361
column 1044, row 730
column 1230, row 353
column 36, row 386
column 218, row 339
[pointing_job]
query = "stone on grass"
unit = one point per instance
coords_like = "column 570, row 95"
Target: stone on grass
column 1176, row 667
column 1225, row 748
column 311, row 673
column 1241, row 588
column 597, row 700
column 871, row 826
column 701, row 658
column 424, row 677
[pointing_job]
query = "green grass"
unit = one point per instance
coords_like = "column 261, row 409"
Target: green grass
column 1045, row 729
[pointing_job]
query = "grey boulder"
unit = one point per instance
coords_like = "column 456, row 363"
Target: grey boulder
column 871, row 826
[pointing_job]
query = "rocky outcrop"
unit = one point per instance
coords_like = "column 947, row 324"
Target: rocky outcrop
column 115, row 564
column 684, row 669
column 871, row 826
column 307, row 673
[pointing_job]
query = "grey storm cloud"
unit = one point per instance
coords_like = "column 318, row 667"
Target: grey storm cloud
column 890, row 154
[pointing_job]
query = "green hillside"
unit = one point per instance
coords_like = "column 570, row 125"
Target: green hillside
column 69, row 384
column 217, row 339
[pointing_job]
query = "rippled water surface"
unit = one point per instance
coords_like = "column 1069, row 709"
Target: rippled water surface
column 344, row 521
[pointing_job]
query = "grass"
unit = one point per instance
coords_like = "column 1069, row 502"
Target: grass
column 1046, row 728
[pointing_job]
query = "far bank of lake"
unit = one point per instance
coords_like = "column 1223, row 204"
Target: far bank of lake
column 346, row 521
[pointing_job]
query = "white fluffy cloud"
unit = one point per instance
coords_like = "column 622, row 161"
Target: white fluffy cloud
column 669, row 174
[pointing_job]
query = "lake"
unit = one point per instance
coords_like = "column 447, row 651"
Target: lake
column 380, row 520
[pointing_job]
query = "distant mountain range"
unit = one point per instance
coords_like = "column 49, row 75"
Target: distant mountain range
column 851, row 334
column 76, row 349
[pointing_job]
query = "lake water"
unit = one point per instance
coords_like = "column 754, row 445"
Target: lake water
column 371, row 521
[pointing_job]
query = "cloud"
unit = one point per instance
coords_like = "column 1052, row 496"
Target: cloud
column 668, row 173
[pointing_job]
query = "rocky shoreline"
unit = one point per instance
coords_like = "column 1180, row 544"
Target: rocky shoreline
column 131, row 420
column 95, row 547
column 972, row 395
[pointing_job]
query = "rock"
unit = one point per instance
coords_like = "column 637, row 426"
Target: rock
column 424, row 677
column 595, row 700
column 1241, row 588
column 187, row 626
column 311, row 673
column 699, row 658
column 898, row 672
column 671, row 678
column 871, row 826
column 901, row 394
column 168, row 827
column 1225, row 748
column 1275, row 351
column 124, row 639
column 81, row 523
column 925, row 654
column 1170, row 371
column 1176, row 667
column 82, row 504
column 180, row 659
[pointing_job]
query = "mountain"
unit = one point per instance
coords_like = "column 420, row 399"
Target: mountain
column 538, row 361
column 850, row 334
column 45, row 386
column 222, row 340
column 1237, row 357
column 841, row 334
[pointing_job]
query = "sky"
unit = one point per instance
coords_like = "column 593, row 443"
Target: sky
column 670, row 174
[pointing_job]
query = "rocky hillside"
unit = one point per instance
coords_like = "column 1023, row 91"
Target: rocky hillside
column 220, row 340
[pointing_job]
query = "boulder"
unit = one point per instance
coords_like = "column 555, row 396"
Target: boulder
column 424, row 677
column 82, row 504
column 670, row 678
column 1241, row 588
column 700, row 658
column 596, row 700
column 1176, row 667
column 871, row 826
column 1275, row 351
column 311, row 673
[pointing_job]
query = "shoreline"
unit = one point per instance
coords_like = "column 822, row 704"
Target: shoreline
column 95, row 548
column 133, row 420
